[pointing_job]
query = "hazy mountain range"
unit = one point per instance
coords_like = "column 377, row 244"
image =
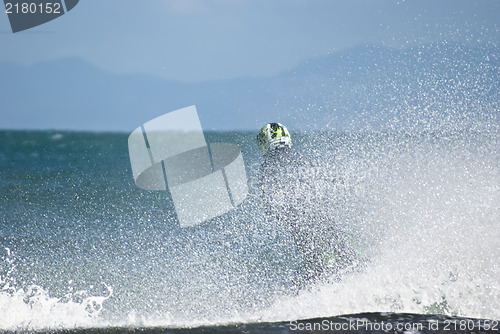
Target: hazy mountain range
column 367, row 87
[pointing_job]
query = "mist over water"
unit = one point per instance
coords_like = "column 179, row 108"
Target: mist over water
column 82, row 246
column 424, row 206
column 428, row 205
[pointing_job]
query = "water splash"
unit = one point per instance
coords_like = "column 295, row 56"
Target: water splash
column 428, row 203
column 33, row 308
column 422, row 196
column 423, row 204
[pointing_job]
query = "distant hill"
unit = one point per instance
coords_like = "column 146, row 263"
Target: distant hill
column 368, row 87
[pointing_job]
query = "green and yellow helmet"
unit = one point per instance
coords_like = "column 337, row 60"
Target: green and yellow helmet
column 272, row 136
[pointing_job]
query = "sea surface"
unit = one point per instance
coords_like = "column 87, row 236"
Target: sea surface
column 83, row 249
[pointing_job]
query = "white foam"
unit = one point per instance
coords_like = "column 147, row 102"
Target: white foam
column 34, row 309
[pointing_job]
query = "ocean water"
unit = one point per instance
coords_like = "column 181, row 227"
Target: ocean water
column 82, row 248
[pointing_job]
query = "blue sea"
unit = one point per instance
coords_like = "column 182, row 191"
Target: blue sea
column 83, row 249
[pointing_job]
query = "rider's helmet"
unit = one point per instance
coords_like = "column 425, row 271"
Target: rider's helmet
column 272, row 136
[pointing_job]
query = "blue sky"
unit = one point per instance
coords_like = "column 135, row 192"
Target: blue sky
column 199, row 40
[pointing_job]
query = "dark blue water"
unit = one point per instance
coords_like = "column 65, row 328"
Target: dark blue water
column 82, row 247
